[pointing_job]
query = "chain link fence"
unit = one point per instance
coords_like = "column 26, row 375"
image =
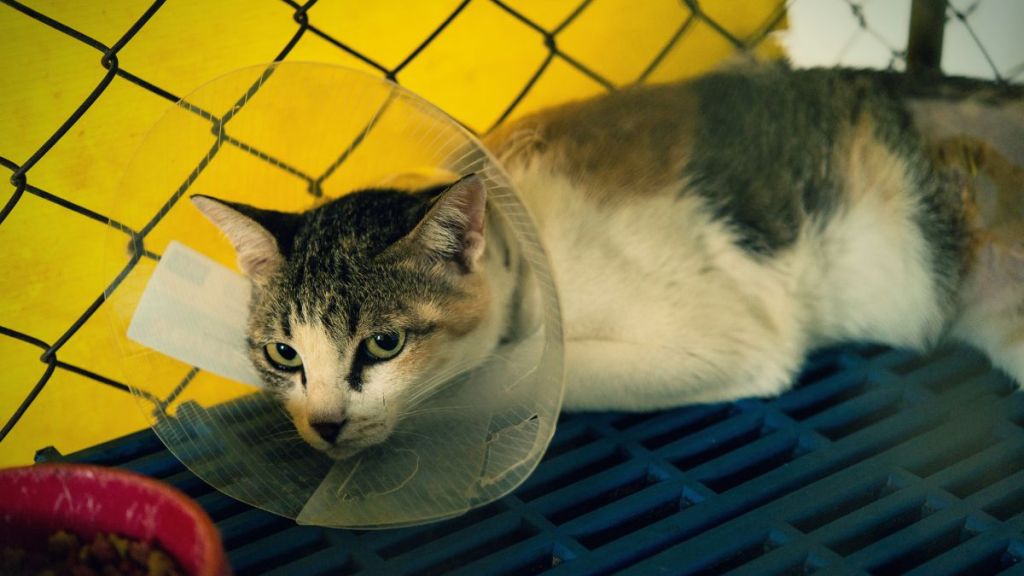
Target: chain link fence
column 305, row 21
column 978, row 36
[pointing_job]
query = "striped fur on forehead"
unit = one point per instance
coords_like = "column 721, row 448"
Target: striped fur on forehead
column 457, row 316
column 339, row 276
column 371, row 293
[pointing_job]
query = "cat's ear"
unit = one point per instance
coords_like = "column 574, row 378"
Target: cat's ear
column 453, row 227
column 256, row 234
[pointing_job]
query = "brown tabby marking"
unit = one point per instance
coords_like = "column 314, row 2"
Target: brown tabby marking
column 870, row 168
column 645, row 130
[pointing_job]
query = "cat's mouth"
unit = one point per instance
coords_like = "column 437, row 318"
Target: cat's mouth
column 352, row 436
column 359, row 440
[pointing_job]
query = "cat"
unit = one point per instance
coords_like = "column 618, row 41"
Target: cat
column 704, row 237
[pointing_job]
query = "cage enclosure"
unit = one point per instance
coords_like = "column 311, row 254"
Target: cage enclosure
column 879, row 461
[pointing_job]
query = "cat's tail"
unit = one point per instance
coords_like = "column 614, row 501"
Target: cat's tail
column 975, row 132
column 991, row 314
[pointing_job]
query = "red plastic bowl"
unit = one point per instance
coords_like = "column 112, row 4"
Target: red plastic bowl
column 36, row 501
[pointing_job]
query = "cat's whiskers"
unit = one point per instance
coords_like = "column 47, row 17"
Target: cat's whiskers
column 502, row 357
column 438, row 381
column 400, row 432
column 283, row 429
column 278, row 405
column 428, row 386
column 281, row 435
column 426, row 389
column 435, row 409
column 283, row 441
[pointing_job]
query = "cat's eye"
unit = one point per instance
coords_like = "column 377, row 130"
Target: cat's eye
column 283, row 356
column 385, row 345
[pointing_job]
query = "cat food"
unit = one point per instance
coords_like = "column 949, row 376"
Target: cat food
column 66, row 554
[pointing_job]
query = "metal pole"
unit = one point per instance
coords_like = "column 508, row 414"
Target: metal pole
column 924, row 47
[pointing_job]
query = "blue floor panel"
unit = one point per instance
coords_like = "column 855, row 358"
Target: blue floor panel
column 878, row 462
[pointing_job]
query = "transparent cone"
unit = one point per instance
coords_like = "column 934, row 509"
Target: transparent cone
column 286, row 137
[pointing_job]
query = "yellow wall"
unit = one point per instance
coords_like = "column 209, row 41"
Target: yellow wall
column 51, row 270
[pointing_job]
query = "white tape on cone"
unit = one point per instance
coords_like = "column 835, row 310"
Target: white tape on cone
column 195, row 310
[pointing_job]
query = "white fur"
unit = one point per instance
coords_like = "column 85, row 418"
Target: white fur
column 662, row 308
column 388, row 390
column 326, row 396
column 867, row 278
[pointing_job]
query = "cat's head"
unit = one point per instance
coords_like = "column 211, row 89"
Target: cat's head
column 365, row 305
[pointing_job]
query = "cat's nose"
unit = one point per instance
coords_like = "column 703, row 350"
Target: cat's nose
column 329, row 431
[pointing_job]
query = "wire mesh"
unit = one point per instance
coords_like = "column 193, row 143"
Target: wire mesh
column 305, row 23
column 136, row 237
column 885, row 481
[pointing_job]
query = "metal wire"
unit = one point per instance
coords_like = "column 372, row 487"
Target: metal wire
column 21, row 172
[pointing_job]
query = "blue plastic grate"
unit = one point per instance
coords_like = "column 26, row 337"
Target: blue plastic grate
column 879, row 462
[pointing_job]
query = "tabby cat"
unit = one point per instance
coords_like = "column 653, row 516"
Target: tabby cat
column 704, row 237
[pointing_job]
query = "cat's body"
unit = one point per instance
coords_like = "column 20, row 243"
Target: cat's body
column 704, row 238
column 747, row 218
